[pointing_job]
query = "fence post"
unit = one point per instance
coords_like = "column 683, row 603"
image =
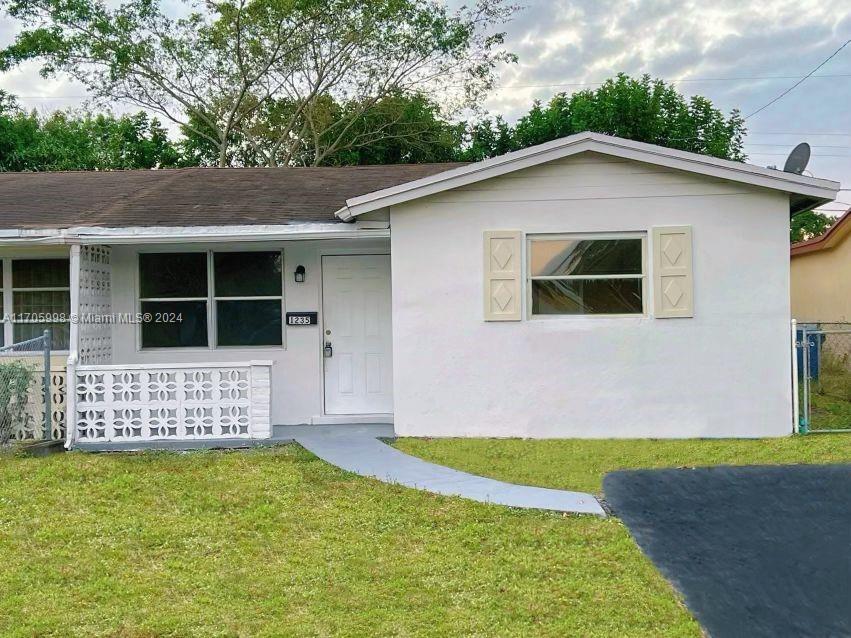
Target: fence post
column 804, row 427
column 48, row 409
column 796, row 407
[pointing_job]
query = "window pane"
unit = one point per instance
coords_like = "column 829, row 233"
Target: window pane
column 248, row 274
column 249, row 323
column 586, row 257
column 188, row 329
column 586, row 296
column 60, row 335
column 42, row 301
column 40, row 273
column 165, row 275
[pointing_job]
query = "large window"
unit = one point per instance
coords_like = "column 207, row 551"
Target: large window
column 173, row 291
column 211, row 299
column 36, row 294
column 249, row 295
column 586, row 275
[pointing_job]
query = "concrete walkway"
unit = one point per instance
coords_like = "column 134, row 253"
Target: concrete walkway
column 357, row 448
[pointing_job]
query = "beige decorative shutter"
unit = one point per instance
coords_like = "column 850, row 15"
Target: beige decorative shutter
column 673, row 287
column 503, row 269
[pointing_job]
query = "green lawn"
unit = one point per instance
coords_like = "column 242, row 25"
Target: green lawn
column 580, row 464
column 275, row 542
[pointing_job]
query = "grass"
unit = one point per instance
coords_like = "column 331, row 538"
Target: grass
column 829, row 412
column 830, row 403
column 274, row 542
column 580, row 464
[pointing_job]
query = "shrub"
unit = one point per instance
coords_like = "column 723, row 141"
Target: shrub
column 15, row 382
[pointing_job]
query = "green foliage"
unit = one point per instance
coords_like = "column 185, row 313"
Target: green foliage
column 581, row 464
column 15, row 379
column 397, row 129
column 66, row 140
column 642, row 109
column 809, row 224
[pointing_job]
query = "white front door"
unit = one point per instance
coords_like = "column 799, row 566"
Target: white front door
column 357, row 327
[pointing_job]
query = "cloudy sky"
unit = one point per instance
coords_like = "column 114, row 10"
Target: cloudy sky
column 739, row 53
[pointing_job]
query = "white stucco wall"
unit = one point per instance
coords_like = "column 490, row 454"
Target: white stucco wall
column 297, row 390
column 725, row 372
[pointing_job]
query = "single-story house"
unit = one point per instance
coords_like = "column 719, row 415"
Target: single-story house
column 587, row 287
column 821, row 275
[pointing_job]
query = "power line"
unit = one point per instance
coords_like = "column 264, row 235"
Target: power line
column 813, row 155
column 812, row 145
column 51, row 97
column 797, row 133
column 801, row 81
column 559, row 84
column 679, row 80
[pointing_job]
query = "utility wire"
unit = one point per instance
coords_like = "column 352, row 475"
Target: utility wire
column 555, row 85
column 801, row 81
column 678, row 80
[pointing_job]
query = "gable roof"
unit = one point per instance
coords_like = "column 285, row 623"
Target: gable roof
column 806, row 192
column 838, row 231
column 192, row 196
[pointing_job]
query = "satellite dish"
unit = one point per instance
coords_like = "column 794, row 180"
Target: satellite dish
column 798, row 158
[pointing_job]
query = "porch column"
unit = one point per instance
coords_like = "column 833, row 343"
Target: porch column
column 91, row 331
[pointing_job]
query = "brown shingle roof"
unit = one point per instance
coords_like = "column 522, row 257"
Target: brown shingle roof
column 193, row 196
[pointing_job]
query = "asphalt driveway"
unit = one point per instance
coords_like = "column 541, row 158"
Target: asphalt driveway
column 755, row 551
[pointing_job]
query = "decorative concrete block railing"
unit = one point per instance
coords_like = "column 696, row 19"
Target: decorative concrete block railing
column 172, row 402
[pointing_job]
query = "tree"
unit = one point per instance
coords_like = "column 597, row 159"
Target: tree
column 642, row 109
column 66, row 140
column 399, row 128
column 809, row 224
column 222, row 72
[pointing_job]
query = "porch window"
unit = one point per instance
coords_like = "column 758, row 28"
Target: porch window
column 173, row 293
column 210, row 299
column 249, row 298
column 40, row 292
column 587, row 274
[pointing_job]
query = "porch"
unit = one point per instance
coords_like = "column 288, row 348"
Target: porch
column 186, row 344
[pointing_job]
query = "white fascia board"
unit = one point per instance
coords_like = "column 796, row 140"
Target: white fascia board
column 822, row 189
column 178, row 234
column 16, row 236
column 170, row 234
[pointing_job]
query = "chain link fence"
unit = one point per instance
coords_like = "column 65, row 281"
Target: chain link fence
column 824, row 373
column 27, row 391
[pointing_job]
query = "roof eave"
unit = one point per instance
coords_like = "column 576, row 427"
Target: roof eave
column 816, row 189
column 833, row 236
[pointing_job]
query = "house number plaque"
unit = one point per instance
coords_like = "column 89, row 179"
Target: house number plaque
column 302, row 319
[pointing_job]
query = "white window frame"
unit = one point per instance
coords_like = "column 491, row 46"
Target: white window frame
column 211, row 263
column 8, row 293
column 211, row 300
column 530, row 238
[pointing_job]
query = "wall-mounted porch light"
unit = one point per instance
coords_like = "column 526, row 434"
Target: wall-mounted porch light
column 299, row 274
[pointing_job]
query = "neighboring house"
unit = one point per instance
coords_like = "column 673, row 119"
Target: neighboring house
column 821, row 276
column 587, row 287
